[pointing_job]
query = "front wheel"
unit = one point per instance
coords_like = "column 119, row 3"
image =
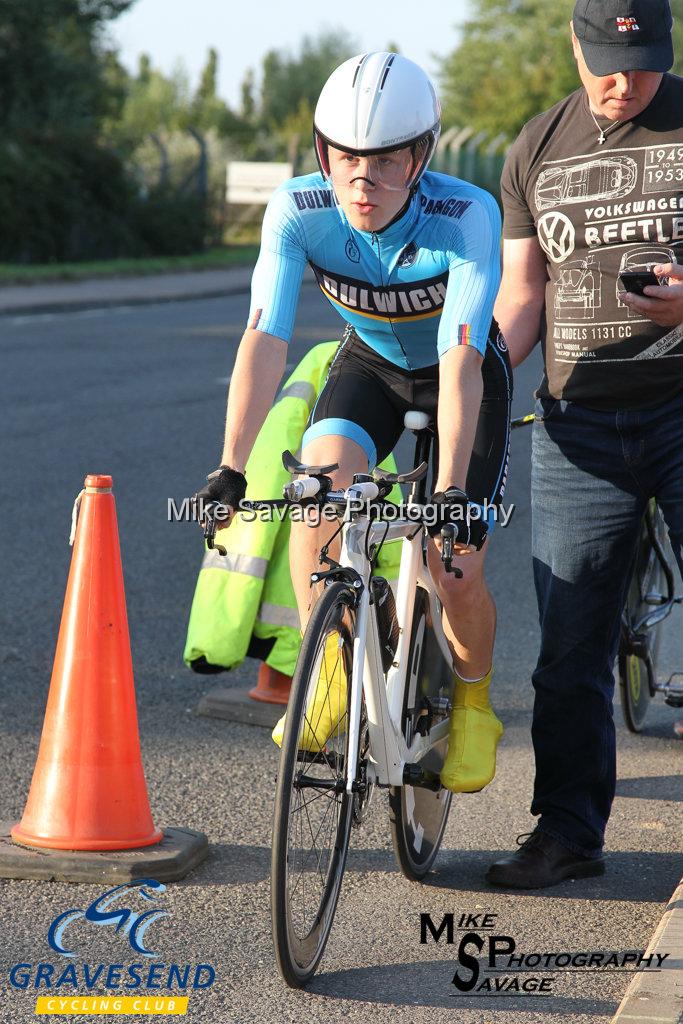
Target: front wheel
column 313, row 812
column 418, row 816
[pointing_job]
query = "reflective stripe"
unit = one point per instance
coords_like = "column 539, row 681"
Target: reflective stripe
column 277, row 615
column 299, row 389
column 249, row 565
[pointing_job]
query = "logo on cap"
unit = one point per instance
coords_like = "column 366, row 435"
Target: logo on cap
column 628, row 25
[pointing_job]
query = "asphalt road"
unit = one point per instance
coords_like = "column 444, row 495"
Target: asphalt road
column 139, row 393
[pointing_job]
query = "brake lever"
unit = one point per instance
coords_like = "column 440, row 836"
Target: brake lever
column 210, row 534
column 447, row 541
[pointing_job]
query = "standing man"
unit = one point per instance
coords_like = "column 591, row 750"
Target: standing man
column 593, row 188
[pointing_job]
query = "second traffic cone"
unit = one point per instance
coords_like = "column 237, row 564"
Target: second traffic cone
column 272, row 687
column 88, row 790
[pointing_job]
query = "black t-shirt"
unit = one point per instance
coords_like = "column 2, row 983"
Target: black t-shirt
column 598, row 210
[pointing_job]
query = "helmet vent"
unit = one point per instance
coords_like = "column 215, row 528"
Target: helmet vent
column 358, row 67
column 386, row 72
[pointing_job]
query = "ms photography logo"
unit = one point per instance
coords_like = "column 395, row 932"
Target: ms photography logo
column 67, row 988
column 488, row 963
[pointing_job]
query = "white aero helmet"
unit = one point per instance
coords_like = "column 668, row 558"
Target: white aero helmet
column 375, row 103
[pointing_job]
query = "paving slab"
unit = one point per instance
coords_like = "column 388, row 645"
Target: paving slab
column 657, row 997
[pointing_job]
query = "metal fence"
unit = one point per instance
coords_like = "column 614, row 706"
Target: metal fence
column 473, row 156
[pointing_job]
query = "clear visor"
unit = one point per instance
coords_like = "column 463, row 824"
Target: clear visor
column 392, row 171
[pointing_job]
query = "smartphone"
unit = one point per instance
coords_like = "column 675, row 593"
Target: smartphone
column 636, row 281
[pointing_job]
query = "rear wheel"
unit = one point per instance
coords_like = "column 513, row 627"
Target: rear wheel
column 639, row 648
column 418, row 815
column 313, row 812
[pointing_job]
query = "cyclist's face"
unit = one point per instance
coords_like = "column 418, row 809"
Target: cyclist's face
column 371, row 189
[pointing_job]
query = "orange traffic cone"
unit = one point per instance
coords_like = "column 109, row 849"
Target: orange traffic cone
column 88, row 790
column 272, row 687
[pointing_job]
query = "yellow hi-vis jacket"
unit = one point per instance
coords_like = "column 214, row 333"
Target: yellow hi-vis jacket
column 244, row 601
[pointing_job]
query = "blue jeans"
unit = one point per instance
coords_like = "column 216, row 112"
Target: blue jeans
column 592, row 475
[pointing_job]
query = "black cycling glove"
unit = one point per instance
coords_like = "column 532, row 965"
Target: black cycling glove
column 225, row 485
column 453, row 506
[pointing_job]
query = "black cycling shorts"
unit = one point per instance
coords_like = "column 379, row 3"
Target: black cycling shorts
column 365, row 398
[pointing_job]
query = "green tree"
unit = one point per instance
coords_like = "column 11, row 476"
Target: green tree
column 60, row 185
column 153, row 103
column 291, row 84
column 247, row 99
column 208, row 111
column 515, row 60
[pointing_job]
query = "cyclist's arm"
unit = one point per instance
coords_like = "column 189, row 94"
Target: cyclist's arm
column 461, row 385
column 521, row 298
column 259, row 367
column 262, row 354
column 473, row 279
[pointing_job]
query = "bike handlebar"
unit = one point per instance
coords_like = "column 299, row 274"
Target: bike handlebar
column 342, row 501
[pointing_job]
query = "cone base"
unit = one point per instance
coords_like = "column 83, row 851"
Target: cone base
column 272, row 687
column 235, row 705
column 178, row 853
column 72, row 843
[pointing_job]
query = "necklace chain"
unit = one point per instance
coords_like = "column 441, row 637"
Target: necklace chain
column 604, row 132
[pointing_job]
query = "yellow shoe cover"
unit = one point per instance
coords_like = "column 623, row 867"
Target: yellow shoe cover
column 326, row 713
column 474, row 733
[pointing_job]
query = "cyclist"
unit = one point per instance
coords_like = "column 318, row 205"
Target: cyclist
column 410, row 259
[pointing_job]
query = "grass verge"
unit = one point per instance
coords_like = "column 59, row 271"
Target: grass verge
column 226, row 256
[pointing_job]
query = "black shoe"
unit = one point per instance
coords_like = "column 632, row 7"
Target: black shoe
column 542, row 861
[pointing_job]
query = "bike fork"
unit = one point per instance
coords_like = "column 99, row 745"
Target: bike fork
column 355, row 697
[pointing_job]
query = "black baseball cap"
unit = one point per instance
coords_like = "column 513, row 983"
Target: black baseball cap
column 624, row 35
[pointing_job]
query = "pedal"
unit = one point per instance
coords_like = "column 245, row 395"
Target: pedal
column 416, row 775
column 441, row 706
column 673, row 695
column 428, row 711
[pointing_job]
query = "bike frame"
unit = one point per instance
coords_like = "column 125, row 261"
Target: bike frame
column 388, row 752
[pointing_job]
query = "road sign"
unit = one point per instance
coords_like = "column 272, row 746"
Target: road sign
column 252, row 182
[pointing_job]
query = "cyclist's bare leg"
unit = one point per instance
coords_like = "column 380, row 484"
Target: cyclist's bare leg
column 469, row 606
column 470, row 624
column 306, row 541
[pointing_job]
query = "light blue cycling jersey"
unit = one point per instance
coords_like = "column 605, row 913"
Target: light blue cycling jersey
column 412, row 291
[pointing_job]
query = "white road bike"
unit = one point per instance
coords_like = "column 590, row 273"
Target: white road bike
column 380, row 669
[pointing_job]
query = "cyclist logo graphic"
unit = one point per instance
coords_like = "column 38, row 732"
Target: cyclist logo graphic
column 557, row 236
column 408, row 256
column 352, row 251
column 130, row 922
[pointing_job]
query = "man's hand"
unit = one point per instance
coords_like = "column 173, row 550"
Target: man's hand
column 453, row 505
column 224, row 486
column 664, row 303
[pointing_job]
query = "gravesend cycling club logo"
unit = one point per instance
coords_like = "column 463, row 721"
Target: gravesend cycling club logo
column 128, row 912
column 105, row 911
column 489, row 963
column 557, row 236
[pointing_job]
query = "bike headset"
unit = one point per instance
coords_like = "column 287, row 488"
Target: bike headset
column 373, row 105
